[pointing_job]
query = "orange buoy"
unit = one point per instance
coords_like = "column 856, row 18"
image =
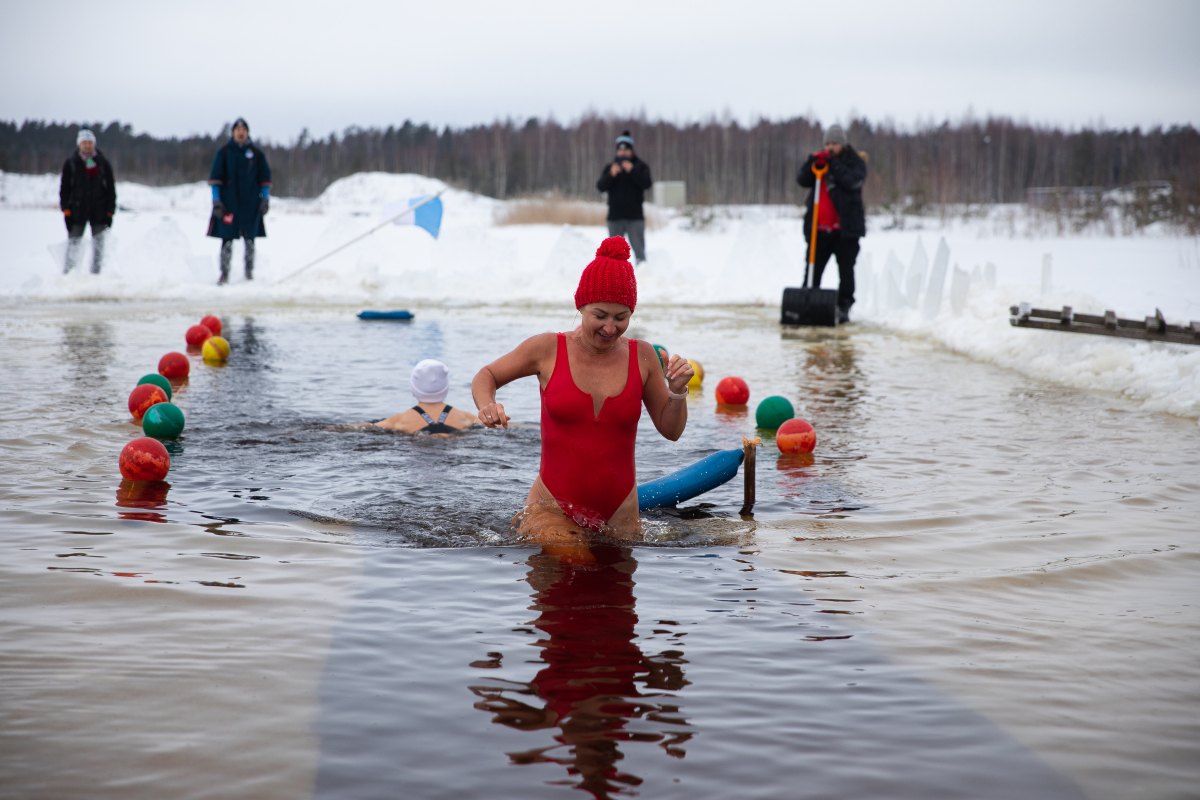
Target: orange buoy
column 796, row 436
column 145, row 459
column 174, row 366
column 733, row 392
column 143, row 396
column 213, row 324
column 197, row 335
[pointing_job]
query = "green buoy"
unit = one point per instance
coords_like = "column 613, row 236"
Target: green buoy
column 157, row 380
column 165, row 423
column 771, row 413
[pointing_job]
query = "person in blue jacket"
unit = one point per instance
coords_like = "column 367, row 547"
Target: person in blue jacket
column 241, row 195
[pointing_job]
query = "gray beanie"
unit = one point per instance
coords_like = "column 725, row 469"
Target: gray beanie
column 835, row 135
column 85, row 135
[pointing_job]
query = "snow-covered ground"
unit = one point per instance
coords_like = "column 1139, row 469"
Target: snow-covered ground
column 741, row 255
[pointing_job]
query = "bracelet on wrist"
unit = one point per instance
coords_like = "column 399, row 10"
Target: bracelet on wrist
column 679, row 396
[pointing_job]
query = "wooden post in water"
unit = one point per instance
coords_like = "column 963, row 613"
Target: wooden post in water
column 749, row 447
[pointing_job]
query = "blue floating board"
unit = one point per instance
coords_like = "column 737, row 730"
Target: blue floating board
column 705, row 475
column 385, row 315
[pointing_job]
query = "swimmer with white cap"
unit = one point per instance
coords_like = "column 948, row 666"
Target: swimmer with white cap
column 430, row 383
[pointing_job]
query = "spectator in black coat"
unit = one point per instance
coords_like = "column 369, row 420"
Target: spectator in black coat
column 86, row 194
column 241, row 196
column 625, row 180
column 841, row 221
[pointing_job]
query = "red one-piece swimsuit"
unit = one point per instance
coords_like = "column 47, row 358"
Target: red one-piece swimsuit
column 587, row 460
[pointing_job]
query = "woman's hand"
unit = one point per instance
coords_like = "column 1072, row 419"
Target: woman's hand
column 679, row 372
column 492, row 416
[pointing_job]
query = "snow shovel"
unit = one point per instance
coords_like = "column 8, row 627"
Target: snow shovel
column 815, row 306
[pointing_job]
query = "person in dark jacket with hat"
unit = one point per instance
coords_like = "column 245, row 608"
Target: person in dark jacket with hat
column 241, row 194
column 841, row 221
column 87, row 194
column 625, row 180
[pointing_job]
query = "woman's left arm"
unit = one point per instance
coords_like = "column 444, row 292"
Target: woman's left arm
column 668, row 414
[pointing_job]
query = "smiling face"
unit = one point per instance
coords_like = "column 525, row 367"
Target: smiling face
column 604, row 324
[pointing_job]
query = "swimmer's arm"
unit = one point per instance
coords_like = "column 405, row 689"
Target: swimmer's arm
column 669, row 416
column 529, row 358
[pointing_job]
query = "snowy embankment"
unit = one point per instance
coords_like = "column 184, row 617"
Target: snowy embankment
column 731, row 255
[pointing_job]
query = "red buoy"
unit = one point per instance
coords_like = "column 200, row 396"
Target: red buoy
column 174, row 366
column 733, row 392
column 143, row 396
column 145, row 459
column 796, row 436
column 213, row 324
column 197, row 335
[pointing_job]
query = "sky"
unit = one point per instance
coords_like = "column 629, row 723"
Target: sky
column 172, row 69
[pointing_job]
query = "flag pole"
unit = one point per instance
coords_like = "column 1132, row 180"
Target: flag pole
column 361, row 236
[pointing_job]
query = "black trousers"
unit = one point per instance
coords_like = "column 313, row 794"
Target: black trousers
column 75, row 231
column 635, row 231
column 845, row 249
column 227, row 258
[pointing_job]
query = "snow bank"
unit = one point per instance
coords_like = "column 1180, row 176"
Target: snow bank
column 971, row 316
column 732, row 255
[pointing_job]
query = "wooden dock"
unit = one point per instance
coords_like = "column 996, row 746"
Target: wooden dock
column 1151, row 329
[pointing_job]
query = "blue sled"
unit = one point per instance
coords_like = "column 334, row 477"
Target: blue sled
column 706, row 474
column 385, row 315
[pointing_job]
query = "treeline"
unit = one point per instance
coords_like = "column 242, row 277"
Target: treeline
column 972, row 161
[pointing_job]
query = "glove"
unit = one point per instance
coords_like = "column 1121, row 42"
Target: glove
column 218, row 209
column 820, row 160
column 263, row 207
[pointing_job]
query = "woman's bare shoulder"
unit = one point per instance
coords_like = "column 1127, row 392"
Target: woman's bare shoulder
column 399, row 422
column 647, row 358
column 542, row 343
column 461, row 418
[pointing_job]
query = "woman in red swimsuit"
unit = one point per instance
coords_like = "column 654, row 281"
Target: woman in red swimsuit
column 594, row 382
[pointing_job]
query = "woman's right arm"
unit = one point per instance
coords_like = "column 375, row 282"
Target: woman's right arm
column 529, row 358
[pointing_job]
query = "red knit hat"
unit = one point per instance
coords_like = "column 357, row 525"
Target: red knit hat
column 608, row 279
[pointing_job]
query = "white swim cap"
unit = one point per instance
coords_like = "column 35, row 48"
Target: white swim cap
column 430, row 381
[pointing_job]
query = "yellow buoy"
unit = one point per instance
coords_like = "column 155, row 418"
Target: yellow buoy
column 698, row 378
column 215, row 349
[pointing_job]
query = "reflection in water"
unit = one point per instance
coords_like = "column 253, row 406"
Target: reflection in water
column 87, row 350
column 143, row 495
column 589, row 689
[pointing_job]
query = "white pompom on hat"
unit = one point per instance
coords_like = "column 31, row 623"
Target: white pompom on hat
column 430, row 381
column 85, row 135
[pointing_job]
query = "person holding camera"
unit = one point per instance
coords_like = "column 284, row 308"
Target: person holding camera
column 625, row 179
column 841, row 221
column 241, row 194
column 87, row 194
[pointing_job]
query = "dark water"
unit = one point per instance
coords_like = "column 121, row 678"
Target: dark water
column 981, row 586
column 280, row 432
column 653, row 673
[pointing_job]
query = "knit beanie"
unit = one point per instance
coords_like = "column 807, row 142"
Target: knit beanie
column 240, row 121
column 608, row 279
column 624, row 140
column 835, row 135
column 430, row 381
column 85, row 135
